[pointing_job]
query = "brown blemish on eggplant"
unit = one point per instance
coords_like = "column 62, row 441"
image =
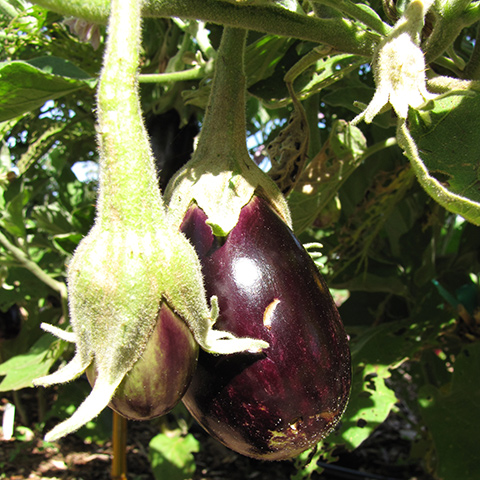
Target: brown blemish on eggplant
column 268, row 313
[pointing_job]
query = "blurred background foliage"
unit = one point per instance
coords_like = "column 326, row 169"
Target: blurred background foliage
column 404, row 271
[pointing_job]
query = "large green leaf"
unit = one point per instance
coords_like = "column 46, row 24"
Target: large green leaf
column 20, row 370
column 370, row 404
column 448, row 138
column 374, row 353
column 20, row 284
column 443, row 149
column 451, row 415
column 171, row 456
column 25, row 86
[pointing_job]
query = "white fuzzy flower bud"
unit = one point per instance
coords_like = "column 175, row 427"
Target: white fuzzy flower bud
column 399, row 67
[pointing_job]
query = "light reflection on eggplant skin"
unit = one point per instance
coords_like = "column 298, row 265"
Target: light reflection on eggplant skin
column 246, row 272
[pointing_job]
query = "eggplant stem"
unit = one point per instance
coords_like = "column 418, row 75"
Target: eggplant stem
column 119, row 445
column 226, row 110
column 20, row 407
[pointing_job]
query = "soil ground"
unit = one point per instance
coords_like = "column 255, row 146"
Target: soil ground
column 384, row 456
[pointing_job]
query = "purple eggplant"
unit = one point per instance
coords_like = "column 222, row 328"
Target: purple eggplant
column 275, row 404
column 10, row 323
column 158, row 380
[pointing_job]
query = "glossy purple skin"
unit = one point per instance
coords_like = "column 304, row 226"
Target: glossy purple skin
column 276, row 404
column 158, row 380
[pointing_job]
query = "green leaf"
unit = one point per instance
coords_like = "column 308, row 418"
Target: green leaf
column 60, row 67
column 370, row 404
column 347, row 96
column 448, row 137
column 171, row 456
column 5, row 160
column 67, row 242
column 326, row 173
column 262, row 56
column 311, row 74
column 26, row 86
column 307, row 462
column 40, row 146
column 51, row 218
column 375, row 353
column 443, row 149
column 20, row 370
column 261, row 59
column 451, row 415
column 329, row 70
column 12, row 217
column 32, row 315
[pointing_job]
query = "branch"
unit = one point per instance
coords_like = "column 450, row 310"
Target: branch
column 451, row 18
column 196, row 73
column 360, row 12
column 342, row 34
column 467, row 208
column 31, row 266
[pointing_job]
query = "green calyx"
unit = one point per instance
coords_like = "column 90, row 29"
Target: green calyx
column 132, row 260
column 221, row 178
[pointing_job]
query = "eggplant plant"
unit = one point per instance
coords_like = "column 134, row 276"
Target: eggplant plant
column 276, row 403
column 133, row 280
column 387, row 181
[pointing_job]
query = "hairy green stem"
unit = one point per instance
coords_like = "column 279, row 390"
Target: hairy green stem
column 228, row 103
column 448, row 64
column 195, row 73
column 128, row 189
column 221, row 177
column 467, row 208
column 305, row 62
column 450, row 19
column 20, row 408
column 203, row 40
column 343, row 35
column 379, row 146
column 367, row 16
column 42, row 405
column 472, row 12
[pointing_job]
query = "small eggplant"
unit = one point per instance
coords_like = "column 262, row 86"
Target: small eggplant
column 277, row 403
column 158, row 380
